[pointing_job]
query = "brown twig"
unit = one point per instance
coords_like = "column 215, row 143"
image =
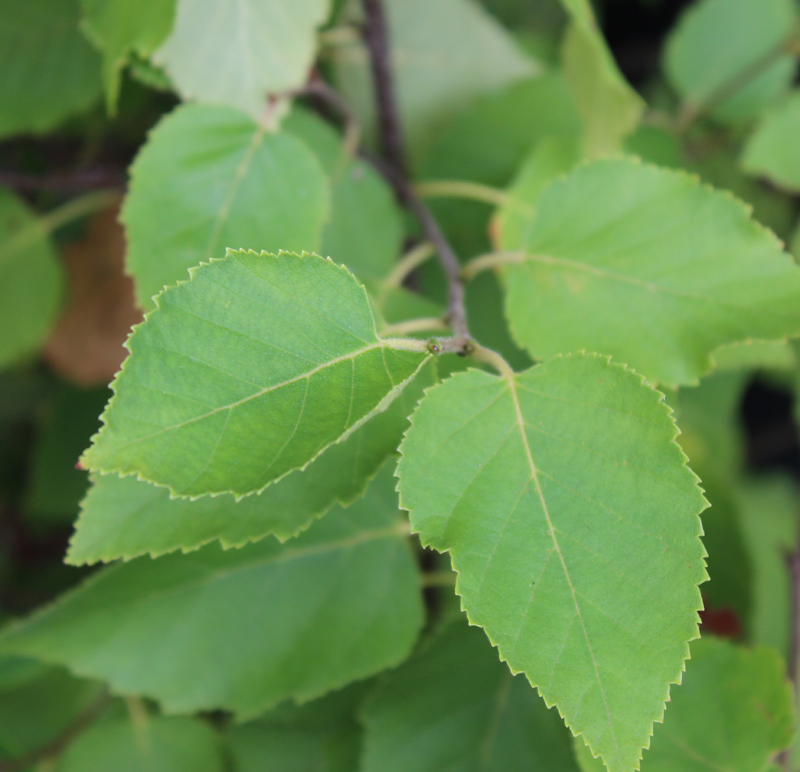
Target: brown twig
column 57, row 745
column 72, row 181
column 393, row 168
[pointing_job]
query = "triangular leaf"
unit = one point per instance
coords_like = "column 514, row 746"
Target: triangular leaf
column 246, row 372
column 236, row 55
column 120, row 27
column 650, row 267
column 244, row 629
column 123, row 517
column 572, row 521
column 454, row 706
column 210, row 178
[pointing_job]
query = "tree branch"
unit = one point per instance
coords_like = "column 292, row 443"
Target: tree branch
column 59, row 744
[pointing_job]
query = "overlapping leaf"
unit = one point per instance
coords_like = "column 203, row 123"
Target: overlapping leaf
column 572, row 521
column 712, row 70
column 30, row 280
column 119, row 27
column 210, row 178
column 732, row 712
column 50, row 71
column 123, row 517
column 611, row 109
column 650, row 267
column 247, row 372
column 454, row 706
column 772, row 150
column 444, row 54
column 244, row 629
column 237, row 54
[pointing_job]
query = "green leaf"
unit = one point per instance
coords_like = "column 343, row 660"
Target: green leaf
column 454, row 706
column 119, row 28
column 551, row 158
column 30, row 279
column 756, row 355
column 710, row 69
column 772, row 149
column 767, row 510
column 244, row 629
column 571, row 520
column 210, row 178
column 322, row 736
column 611, row 109
column 50, row 71
column 37, row 703
column 123, row 517
column 650, row 267
column 215, row 399
column 733, row 712
column 156, row 744
column 444, row 54
column 236, row 55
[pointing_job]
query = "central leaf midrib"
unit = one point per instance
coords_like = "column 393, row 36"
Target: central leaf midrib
column 512, row 384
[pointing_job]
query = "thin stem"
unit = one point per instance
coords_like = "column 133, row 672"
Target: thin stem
column 78, row 180
column 376, row 38
column 438, row 579
column 493, row 359
column 320, row 89
column 408, row 263
column 79, row 207
column 393, row 168
column 472, row 191
column 338, row 36
column 692, row 111
column 409, row 344
column 57, row 746
column 428, row 324
column 491, row 260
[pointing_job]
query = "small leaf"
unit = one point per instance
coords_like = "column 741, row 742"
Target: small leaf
column 772, row 149
column 571, row 520
column 119, row 28
column 30, row 280
column 244, row 629
column 650, row 267
column 158, row 744
column 246, row 372
column 454, row 706
column 50, row 71
column 436, row 74
column 611, row 109
column 733, row 711
column 236, row 55
column 123, row 517
column 210, row 178
column 703, row 65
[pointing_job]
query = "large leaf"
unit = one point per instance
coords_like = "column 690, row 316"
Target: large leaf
column 444, row 54
column 571, row 520
column 611, row 109
column 210, row 178
column 50, row 71
column 322, row 736
column 154, row 744
column 123, row 517
column 650, row 267
column 237, row 54
column 772, row 150
column 733, row 712
column 244, row 629
column 119, row 27
column 246, row 372
column 454, row 706
column 718, row 43
column 30, row 279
